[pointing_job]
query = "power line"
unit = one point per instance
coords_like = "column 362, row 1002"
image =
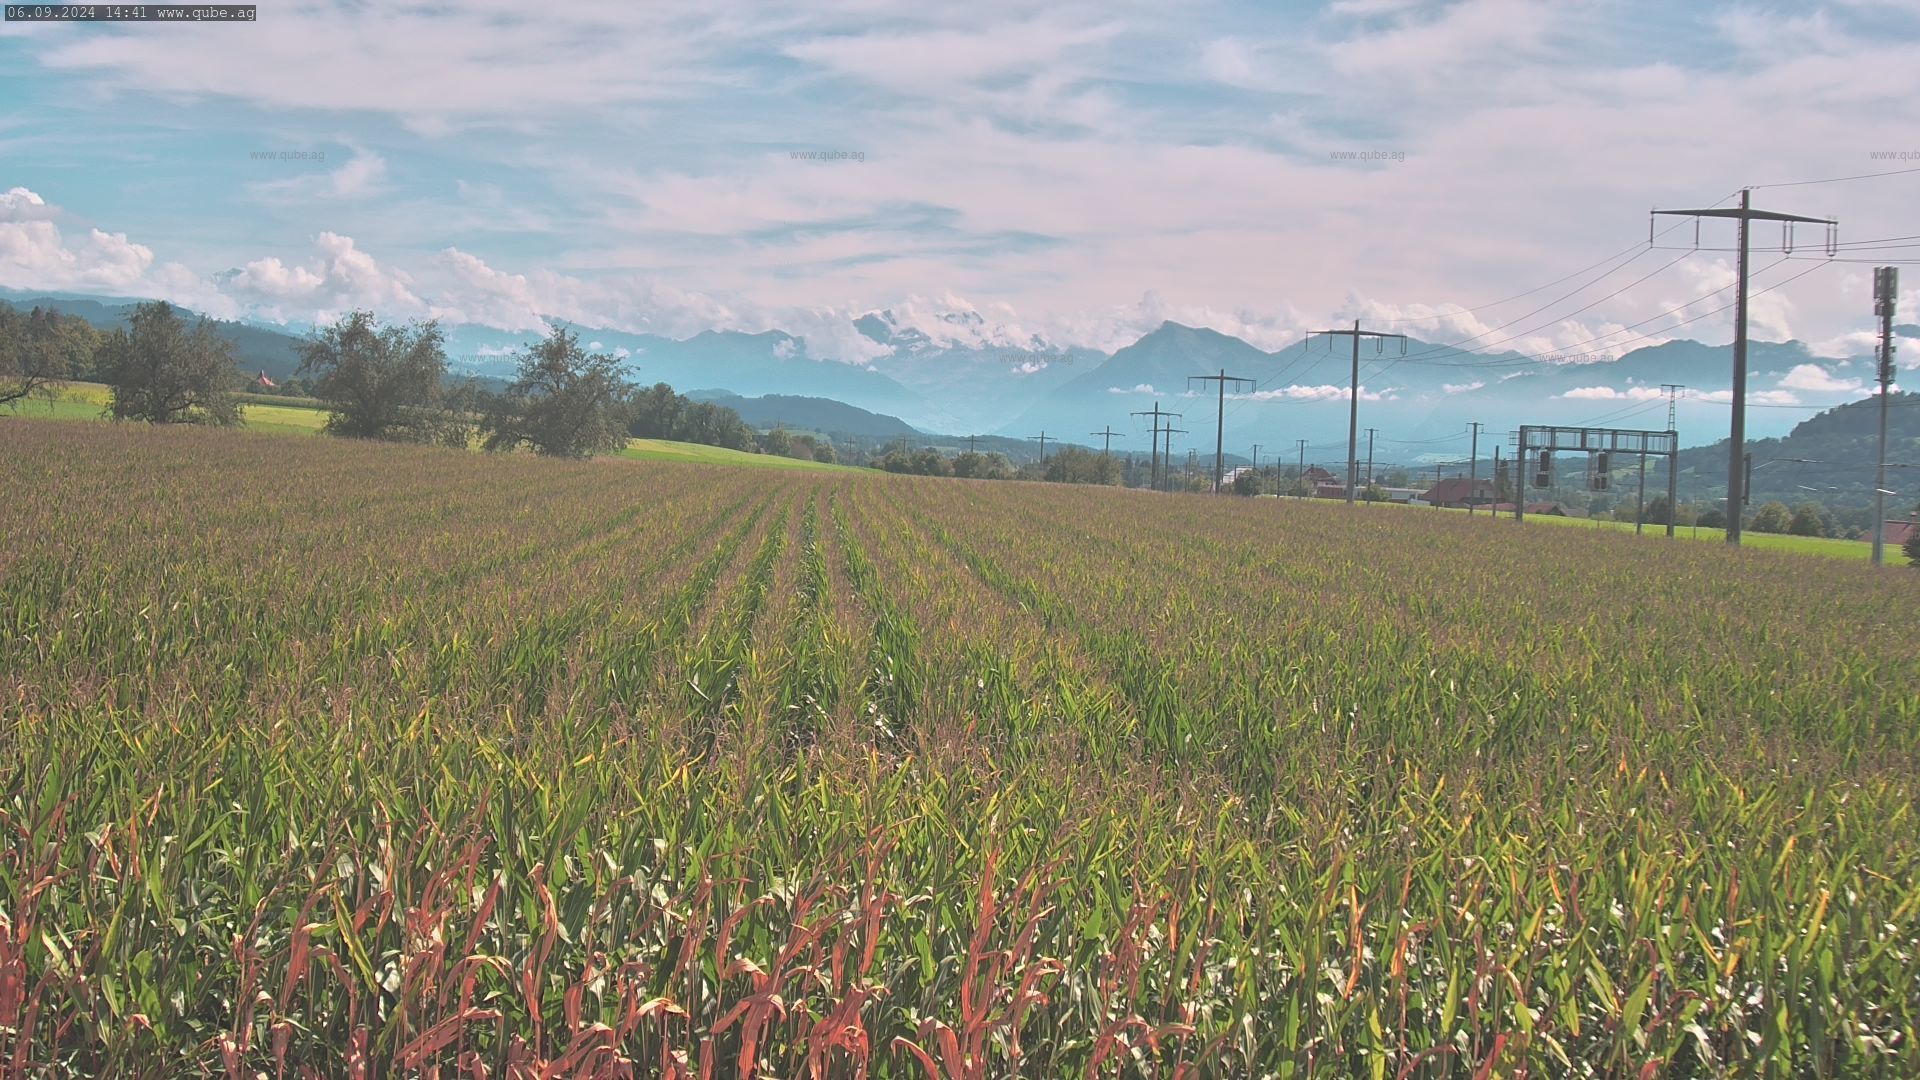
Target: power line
column 1220, row 430
column 1838, row 179
column 1746, row 215
column 1635, row 246
column 1353, row 398
column 1042, row 437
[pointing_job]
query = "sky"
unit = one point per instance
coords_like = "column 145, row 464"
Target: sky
column 992, row 173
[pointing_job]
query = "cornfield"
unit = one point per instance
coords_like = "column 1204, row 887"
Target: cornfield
column 328, row 759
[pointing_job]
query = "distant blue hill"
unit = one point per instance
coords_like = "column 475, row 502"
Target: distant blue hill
column 801, row 413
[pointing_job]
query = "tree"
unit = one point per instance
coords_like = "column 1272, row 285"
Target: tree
column 1373, row 493
column 1075, row 465
column 1711, row 518
column 977, row 466
column 777, row 442
column 1809, row 519
column 164, row 373
column 25, row 371
column 1773, row 517
column 384, row 382
column 564, row 403
column 1657, row 511
column 930, row 462
column 823, row 452
column 1912, row 548
column 1246, row 483
column 41, row 349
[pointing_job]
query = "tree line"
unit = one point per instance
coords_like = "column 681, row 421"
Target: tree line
column 388, row 382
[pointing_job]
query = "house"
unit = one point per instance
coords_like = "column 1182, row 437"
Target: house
column 1896, row 532
column 1556, row 509
column 1460, row 492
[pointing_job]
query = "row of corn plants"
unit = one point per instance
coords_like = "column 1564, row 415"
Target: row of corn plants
column 328, row 759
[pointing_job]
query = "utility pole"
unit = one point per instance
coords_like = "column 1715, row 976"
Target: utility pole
column 1673, row 391
column 1673, row 460
column 1473, row 467
column 1737, row 431
column 1042, row 437
column 1108, row 433
column 1640, row 500
column 1220, row 420
column 1301, row 476
column 1153, row 460
column 1370, row 433
column 1886, row 296
column 970, row 441
column 1353, row 399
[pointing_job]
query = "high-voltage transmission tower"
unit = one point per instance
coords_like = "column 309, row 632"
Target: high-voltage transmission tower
column 1353, row 396
column 1153, row 461
column 1746, row 215
column 1220, row 420
column 1886, row 296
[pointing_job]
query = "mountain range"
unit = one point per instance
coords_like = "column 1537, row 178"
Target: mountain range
column 1420, row 398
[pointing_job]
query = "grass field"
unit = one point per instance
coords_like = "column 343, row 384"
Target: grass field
column 1804, row 545
column 85, row 401
column 338, row 759
column 662, row 450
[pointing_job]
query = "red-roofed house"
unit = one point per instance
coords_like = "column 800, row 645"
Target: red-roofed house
column 1897, row 532
column 1459, row 491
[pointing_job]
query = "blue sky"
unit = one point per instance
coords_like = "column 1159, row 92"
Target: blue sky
column 1072, row 172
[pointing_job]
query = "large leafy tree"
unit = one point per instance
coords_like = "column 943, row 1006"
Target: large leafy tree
column 1773, row 517
column 39, row 350
column 163, row 372
column 1074, row 465
column 384, row 382
column 1809, row 519
column 566, row 402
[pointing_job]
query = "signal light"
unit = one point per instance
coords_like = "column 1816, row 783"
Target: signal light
column 1543, row 474
column 1600, row 477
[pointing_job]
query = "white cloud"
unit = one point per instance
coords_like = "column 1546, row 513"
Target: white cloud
column 340, row 278
column 1754, row 397
column 1327, row 392
column 1137, row 388
column 18, row 204
column 1814, row 378
column 361, row 175
column 1608, row 393
column 1462, row 388
column 35, row 254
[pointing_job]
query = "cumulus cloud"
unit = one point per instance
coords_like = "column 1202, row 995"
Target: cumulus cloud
column 1755, row 397
column 35, row 254
column 1608, row 393
column 361, row 175
column 1816, row 379
column 1137, row 388
column 1326, row 392
column 18, row 204
column 1462, row 388
column 338, row 278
